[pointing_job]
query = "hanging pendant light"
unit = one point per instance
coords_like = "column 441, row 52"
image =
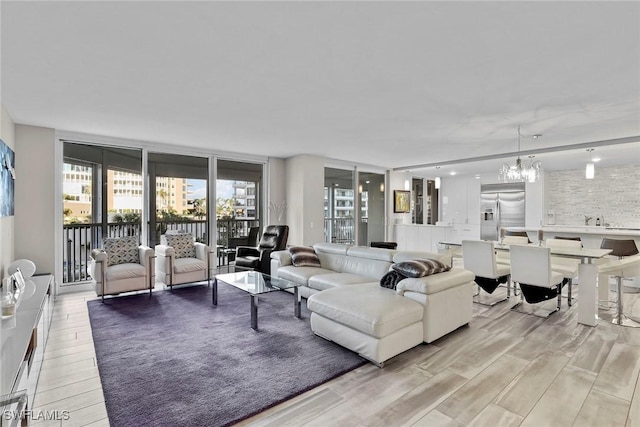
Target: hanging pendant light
column 520, row 172
column 590, row 171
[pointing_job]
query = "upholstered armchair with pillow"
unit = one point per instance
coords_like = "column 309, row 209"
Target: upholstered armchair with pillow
column 274, row 238
column 122, row 265
column 181, row 260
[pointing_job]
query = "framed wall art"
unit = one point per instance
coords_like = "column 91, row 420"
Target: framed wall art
column 7, row 178
column 401, row 201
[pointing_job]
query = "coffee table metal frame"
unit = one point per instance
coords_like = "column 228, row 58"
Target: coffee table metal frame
column 255, row 284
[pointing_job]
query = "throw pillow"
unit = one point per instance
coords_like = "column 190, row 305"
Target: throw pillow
column 391, row 279
column 122, row 250
column 420, row 267
column 182, row 244
column 304, row 257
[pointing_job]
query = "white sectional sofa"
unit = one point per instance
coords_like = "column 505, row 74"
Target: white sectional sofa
column 350, row 307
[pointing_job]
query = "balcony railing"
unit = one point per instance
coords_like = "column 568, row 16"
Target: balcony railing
column 339, row 230
column 342, row 230
column 80, row 239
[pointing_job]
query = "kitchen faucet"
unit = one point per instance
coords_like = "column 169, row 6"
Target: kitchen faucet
column 587, row 219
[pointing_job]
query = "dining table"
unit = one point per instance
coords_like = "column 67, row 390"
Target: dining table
column 587, row 272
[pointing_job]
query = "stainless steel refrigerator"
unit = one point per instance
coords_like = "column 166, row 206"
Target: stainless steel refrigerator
column 501, row 205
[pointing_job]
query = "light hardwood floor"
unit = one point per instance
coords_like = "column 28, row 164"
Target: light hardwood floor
column 504, row 369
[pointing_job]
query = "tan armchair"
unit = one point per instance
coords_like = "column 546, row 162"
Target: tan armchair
column 122, row 265
column 181, row 260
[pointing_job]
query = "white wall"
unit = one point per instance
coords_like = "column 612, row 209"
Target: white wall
column 7, row 134
column 35, row 183
column 276, row 191
column 397, row 181
column 305, row 199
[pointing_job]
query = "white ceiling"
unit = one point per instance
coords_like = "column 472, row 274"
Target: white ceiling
column 390, row 84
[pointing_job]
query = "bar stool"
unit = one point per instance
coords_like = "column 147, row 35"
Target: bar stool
column 479, row 257
column 621, row 268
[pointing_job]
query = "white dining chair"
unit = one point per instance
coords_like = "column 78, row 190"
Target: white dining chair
column 479, row 257
column 502, row 257
column 531, row 269
column 567, row 266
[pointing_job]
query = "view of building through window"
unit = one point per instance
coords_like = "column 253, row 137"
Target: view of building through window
column 236, row 199
column 178, row 196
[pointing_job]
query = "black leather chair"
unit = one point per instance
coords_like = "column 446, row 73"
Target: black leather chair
column 274, row 238
column 234, row 242
column 254, row 235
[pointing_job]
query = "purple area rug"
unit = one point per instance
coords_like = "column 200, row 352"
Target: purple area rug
column 174, row 359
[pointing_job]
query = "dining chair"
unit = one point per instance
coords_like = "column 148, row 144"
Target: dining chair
column 479, row 257
column 626, row 263
column 502, row 257
column 531, row 269
column 567, row 266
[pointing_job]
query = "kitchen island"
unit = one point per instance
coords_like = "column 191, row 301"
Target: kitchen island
column 590, row 235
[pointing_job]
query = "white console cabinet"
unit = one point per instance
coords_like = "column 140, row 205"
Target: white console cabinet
column 23, row 338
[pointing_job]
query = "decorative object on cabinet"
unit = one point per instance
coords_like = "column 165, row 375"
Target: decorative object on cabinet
column 401, row 201
column 26, row 266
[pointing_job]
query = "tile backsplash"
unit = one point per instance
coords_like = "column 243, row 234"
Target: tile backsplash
column 614, row 193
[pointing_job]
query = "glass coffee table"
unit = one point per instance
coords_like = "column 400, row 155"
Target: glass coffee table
column 255, row 284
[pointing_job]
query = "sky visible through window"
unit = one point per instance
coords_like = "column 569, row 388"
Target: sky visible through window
column 198, row 189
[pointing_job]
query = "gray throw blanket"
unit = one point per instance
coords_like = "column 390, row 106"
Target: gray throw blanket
column 391, row 279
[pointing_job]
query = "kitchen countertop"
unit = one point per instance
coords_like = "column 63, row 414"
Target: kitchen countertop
column 583, row 229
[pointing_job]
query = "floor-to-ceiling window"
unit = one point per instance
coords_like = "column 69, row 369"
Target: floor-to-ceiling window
column 105, row 195
column 102, row 197
column 178, row 187
column 238, row 201
column 339, row 206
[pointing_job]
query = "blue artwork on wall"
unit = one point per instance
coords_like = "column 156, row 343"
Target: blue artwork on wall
column 7, row 179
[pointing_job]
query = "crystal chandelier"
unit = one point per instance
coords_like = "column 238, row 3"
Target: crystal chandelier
column 529, row 172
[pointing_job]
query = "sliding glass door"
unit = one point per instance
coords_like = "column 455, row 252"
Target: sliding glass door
column 372, row 211
column 102, row 197
column 339, row 206
column 239, row 207
column 178, row 202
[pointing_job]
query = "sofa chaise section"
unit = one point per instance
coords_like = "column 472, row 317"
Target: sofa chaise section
column 350, row 307
column 379, row 326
